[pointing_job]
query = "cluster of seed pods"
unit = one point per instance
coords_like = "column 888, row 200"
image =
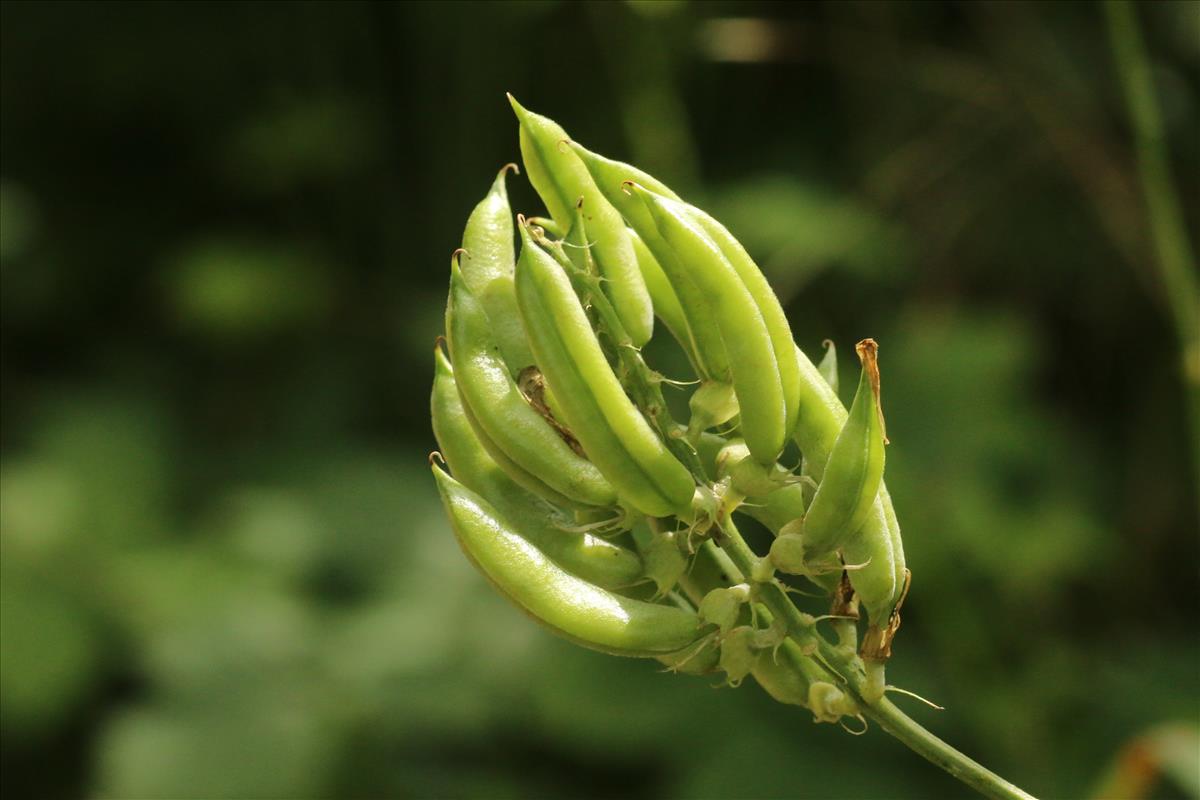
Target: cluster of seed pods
column 575, row 491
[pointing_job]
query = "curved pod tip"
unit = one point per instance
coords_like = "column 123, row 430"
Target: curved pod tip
column 517, row 107
column 868, row 354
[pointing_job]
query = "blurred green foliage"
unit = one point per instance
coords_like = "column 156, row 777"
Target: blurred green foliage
column 223, row 231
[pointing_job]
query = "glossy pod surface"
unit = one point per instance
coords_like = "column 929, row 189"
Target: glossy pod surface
column 877, row 542
column 614, row 434
column 768, row 306
column 591, row 558
column 504, row 414
column 852, row 475
column 703, row 341
column 754, row 368
column 561, row 178
column 575, row 608
column 487, row 267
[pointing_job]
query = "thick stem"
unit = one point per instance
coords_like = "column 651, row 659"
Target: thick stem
column 849, row 668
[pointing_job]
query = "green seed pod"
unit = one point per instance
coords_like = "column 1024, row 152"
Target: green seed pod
column 503, row 413
column 612, row 176
column 576, row 246
column 754, row 367
column 591, row 558
column 568, row 605
column 706, row 346
column 899, row 566
column 768, row 306
column 614, row 434
column 852, row 475
column 487, row 268
column 880, row 588
column 666, row 302
column 870, row 550
column 560, row 178
column 525, row 479
column 881, row 581
column 822, row 416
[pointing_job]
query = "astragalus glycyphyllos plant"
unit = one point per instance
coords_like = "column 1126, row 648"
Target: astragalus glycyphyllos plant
column 583, row 500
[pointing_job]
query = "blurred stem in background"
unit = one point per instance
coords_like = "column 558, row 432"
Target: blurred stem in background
column 1175, row 258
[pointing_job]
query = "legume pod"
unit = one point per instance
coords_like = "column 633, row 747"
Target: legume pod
column 593, row 559
column 877, row 542
column 754, row 368
column 611, row 176
column 487, row 268
column 570, row 606
column 613, row 433
column 703, row 341
column 502, row 412
column 768, row 305
column 666, row 302
column 847, row 491
column 560, row 179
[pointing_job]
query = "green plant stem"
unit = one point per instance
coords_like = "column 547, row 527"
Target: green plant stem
column 1176, row 262
column 849, row 670
column 934, row 750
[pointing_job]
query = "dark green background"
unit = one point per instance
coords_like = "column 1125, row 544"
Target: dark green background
column 225, row 233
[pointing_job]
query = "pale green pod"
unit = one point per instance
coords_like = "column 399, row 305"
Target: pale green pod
column 613, row 176
column 487, row 267
column 822, row 416
column 589, row 557
column 590, row 398
column 768, row 306
column 572, row 607
column 869, row 553
column 523, row 478
column 754, row 368
column 854, row 471
column 899, row 565
column 706, row 345
column 502, row 412
column 666, row 302
column 561, row 178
